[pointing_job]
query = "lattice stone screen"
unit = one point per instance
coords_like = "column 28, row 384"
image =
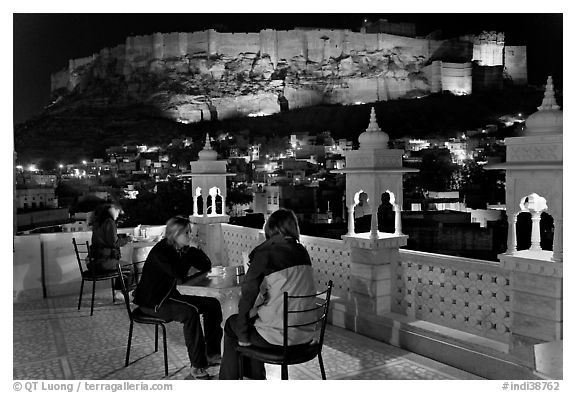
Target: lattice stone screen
column 237, row 240
column 460, row 293
column 331, row 261
column 330, row 257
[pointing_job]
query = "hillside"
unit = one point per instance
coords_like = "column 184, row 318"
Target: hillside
column 74, row 132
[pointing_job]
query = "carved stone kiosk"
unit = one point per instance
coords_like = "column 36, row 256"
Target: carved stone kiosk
column 208, row 176
column 373, row 169
column 534, row 185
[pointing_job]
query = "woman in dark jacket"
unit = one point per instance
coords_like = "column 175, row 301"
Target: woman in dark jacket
column 105, row 247
column 280, row 264
column 173, row 259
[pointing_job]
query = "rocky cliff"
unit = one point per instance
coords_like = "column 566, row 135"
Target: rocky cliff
column 198, row 88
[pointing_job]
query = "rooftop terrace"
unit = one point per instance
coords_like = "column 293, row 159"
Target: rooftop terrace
column 53, row 340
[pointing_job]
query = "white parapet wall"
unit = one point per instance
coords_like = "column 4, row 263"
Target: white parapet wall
column 47, row 262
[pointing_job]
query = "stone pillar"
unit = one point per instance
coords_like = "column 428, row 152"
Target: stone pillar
column 211, row 38
column 374, row 224
column 536, row 287
column 213, row 193
column 557, row 252
column 204, row 211
column 512, row 233
column 350, row 220
column 397, row 220
column 371, row 280
column 210, row 237
column 535, row 238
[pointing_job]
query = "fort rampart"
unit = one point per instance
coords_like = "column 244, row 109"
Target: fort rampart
column 312, row 45
column 370, row 66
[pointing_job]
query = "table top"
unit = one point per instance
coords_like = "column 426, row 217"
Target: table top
column 220, row 277
column 149, row 242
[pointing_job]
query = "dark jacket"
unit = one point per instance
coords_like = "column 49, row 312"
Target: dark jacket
column 105, row 247
column 278, row 265
column 164, row 266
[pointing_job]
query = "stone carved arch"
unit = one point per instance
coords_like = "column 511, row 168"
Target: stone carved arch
column 534, row 225
column 214, row 201
column 198, row 209
column 387, row 212
column 362, row 212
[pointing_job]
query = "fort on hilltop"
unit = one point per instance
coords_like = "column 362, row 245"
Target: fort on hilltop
column 237, row 74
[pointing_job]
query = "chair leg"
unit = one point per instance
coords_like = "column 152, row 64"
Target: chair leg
column 240, row 366
column 155, row 338
column 165, row 350
column 81, row 291
column 321, row 366
column 284, row 372
column 93, row 294
column 113, row 298
column 129, row 344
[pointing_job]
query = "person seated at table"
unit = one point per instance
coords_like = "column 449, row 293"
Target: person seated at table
column 105, row 248
column 279, row 264
column 174, row 259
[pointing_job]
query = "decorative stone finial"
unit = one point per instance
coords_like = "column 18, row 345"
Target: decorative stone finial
column 373, row 137
column 207, row 145
column 549, row 101
column 548, row 118
column 207, row 154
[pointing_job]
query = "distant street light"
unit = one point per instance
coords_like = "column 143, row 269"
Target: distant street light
column 84, row 162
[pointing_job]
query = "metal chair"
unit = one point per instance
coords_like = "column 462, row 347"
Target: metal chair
column 295, row 354
column 138, row 316
column 82, row 251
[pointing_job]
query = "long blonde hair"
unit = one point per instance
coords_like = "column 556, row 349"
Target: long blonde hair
column 174, row 227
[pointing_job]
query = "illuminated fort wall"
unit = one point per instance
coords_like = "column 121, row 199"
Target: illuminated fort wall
column 315, row 45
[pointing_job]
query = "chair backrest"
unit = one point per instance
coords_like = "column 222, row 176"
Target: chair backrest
column 124, row 290
column 315, row 316
column 82, row 251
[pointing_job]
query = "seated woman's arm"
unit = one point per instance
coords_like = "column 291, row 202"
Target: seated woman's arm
column 198, row 261
column 169, row 263
column 250, row 291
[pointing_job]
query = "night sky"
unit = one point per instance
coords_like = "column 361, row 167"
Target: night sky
column 43, row 43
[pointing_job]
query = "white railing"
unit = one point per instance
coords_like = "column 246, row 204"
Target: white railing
column 465, row 294
column 330, row 257
column 47, row 263
column 330, row 261
column 461, row 293
column 238, row 240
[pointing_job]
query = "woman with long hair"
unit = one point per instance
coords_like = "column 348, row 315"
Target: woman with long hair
column 173, row 259
column 105, row 248
column 280, row 264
